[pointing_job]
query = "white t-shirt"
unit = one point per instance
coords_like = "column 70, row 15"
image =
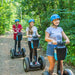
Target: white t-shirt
column 34, row 30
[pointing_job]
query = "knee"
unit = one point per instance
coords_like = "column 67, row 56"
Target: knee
column 61, row 61
column 35, row 51
column 51, row 62
column 51, row 68
column 52, row 65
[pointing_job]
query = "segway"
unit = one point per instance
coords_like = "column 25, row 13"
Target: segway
column 60, row 53
column 22, row 51
column 26, row 62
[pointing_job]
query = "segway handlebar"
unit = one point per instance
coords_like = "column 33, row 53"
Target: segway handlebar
column 61, row 43
column 34, row 36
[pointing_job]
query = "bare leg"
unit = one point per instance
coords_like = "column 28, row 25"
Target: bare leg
column 61, row 67
column 52, row 64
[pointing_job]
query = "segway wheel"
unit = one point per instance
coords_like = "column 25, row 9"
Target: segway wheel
column 45, row 73
column 68, row 72
column 23, row 52
column 41, row 60
column 12, row 53
column 26, row 64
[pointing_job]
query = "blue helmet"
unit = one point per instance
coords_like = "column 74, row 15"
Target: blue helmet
column 31, row 20
column 54, row 16
column 17, row 20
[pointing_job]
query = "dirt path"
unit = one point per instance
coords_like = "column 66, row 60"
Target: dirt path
column 10, row 66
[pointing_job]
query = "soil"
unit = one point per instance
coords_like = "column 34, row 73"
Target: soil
column 10, row 66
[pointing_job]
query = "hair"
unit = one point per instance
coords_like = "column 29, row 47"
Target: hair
column 30, row 30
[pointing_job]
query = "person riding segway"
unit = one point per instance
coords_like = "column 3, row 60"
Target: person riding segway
column 53, row 34
column 33, row 42
column 17, row 38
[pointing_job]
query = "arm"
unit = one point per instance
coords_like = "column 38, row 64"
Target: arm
column 27, row 29
column 13, row 28
column 15, row 32
column 21, row 29
column 37, row 34
column 65, row 37
column 48, row 39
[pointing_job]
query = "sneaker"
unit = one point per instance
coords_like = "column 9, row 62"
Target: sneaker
column 35, row 63
column 38, row 63
column 18, row 52
column 31, row 63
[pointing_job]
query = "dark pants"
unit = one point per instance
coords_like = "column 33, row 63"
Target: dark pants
column 32, row 52
column 19, row 45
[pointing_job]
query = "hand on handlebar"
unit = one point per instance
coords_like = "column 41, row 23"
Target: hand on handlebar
column 38, row 35
column 63, row 42
column 15, row 32
column 54, row 42
column 30, row 36
column 67, row 41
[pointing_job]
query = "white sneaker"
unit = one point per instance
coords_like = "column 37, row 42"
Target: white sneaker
column 31, row 63
column 38, row 63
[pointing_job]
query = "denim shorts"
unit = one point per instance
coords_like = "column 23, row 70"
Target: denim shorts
column 50, row 50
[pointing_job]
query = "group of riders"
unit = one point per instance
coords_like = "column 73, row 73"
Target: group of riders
column 53, row 34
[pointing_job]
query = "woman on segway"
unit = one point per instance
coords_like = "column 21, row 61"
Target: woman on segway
column 17, row 28
column 29, row 32
column 52, row 35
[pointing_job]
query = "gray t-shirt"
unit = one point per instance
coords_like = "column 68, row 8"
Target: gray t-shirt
column 55, row 33
column 34, row 30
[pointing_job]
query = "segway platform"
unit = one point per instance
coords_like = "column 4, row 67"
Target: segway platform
column 17, row 54
column 27, row 67
column 26, row 63
column 34, row 66
column 14, row 54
